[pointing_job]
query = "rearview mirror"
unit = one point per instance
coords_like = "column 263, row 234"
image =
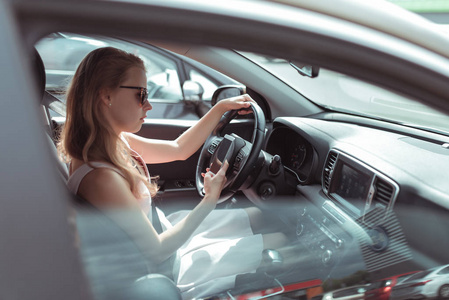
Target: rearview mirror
column 305, row 70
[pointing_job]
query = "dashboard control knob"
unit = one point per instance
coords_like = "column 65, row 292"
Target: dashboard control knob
column 327, row 257
column 339, row 244
column 299, row 229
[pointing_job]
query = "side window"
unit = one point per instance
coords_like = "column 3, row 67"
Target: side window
column 208, row 86
column 62, row 53
column 162, row 77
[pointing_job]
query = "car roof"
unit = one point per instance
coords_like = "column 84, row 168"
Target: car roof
column 380, row 15
column 383, row 16
column 304, row 33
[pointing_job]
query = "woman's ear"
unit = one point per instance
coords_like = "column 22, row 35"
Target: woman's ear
column 105, row 97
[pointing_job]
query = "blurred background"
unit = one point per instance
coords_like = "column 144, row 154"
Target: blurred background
column 434, row 10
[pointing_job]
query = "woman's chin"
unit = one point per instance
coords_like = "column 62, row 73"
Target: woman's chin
column 136, row 129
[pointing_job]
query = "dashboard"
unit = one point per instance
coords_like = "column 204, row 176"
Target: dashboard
column 296, row 153
column 367, row 192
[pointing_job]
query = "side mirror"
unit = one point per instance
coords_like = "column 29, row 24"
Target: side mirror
column 227, row 91
column 192, row 90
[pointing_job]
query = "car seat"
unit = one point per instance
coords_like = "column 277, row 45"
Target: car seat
column 115, row 267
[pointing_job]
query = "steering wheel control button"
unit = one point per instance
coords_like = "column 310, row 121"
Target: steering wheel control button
column 212, row 147
column 238, row 161
column 179, row 184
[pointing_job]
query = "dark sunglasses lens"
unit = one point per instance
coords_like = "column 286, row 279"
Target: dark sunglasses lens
column 143, row 96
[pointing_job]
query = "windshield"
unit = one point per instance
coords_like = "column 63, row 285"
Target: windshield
column 342, row 93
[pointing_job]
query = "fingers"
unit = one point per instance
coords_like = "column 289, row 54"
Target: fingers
column 247, row 98
column 244, row 100
column 224, row 167
column 222, row 171
column 240, row 103
column 246, row 103
column 245, row 111
column 207, row 173
column 214, row 183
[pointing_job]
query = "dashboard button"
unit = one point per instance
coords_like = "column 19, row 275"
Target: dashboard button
column 327, row 257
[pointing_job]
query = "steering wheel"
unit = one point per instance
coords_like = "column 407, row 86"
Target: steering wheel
column 243, row 155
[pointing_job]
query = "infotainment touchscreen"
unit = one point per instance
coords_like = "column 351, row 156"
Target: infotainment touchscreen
column 351, row 184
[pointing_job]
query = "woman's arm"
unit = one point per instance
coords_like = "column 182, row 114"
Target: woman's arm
column 108, row 190
column 160, row 151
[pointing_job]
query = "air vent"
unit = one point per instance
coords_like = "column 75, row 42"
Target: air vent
column 384, row 192
column 328, row 169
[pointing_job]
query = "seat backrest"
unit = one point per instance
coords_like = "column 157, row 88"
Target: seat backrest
column 39, row 71
column 40, row 79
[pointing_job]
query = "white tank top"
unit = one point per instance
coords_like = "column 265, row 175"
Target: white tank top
column 76, row 177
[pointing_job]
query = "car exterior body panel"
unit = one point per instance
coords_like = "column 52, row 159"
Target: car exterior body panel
column 427, row 285
column 349, row 293
column 381, row 289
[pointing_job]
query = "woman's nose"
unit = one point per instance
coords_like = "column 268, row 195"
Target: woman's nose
column 147, row 106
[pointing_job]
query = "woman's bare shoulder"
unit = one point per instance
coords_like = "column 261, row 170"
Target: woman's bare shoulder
column 105, row 186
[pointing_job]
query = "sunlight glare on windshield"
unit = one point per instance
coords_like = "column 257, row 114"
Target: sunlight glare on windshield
column 342, row 93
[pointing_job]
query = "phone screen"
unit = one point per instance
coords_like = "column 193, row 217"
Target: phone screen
column 224, row 152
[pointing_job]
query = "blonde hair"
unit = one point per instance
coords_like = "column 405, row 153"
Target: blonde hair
column 87, row 135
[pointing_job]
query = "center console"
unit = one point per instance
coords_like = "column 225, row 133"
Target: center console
column 321, row 235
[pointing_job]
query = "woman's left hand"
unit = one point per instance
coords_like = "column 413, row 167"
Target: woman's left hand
column 240, row 103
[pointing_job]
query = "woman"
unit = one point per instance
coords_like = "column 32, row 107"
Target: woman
column 107, row 104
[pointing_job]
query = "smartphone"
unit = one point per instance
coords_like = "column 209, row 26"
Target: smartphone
column 223, row 152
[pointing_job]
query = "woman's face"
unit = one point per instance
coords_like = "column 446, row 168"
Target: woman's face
column 125, row 111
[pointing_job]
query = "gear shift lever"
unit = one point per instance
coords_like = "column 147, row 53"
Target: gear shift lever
column 270, row 267
column 272, row 262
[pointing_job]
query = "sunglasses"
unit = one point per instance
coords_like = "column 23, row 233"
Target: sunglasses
column 143, row 92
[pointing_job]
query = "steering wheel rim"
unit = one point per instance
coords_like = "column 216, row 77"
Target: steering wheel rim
column 243, row 159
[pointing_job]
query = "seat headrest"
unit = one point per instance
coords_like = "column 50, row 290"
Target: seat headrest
column 39, row 72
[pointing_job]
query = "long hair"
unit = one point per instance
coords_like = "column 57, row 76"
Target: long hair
column 87, row 135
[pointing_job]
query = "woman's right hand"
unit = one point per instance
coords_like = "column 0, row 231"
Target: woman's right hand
column 214, row 183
